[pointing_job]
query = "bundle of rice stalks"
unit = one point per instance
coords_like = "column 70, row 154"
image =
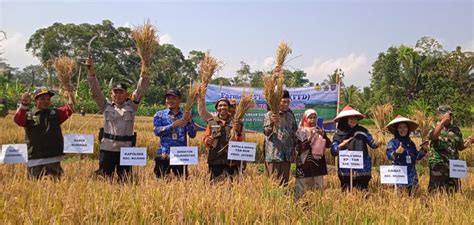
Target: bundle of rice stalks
column 246, row 102
column 273, row 92
column 381, row 115
column 146, row 41
column 282, row 52
column 424, row 123
column 207, row 68
column 192, row 94
column 64, row 68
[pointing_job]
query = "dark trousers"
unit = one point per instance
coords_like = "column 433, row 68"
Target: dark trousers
column 218, row 171
column 360, row 182
column 279, row 170
column 109, row 163
column 163, row 167
column 443, row 184
column 51, row 169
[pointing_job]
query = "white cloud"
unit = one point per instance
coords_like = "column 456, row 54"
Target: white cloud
column 166, row 39
column 127, row 24
column 15, row 52
column 268, row 64
column 355, row 67
column 468, row 46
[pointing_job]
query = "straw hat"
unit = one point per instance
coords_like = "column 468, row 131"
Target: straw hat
column 348, row 111
column 392, row 126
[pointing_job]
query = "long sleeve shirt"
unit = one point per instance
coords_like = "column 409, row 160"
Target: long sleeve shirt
column 280, row 143
column 169, row 136
column 119, row 120
column 407, row 158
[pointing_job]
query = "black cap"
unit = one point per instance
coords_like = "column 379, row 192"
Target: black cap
column 286, row 94
column 42, row 91
column 120, row 85
column 220, row 100
column 173, row 92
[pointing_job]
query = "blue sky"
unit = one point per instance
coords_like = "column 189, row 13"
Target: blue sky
column 324, row 35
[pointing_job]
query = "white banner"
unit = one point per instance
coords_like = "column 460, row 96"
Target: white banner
column 457, row 168
column 393, row 174
column 14, row 153
column 351, row 159
column 132, row 156
column 79, row 143
column 184, row 155
column 244, row 151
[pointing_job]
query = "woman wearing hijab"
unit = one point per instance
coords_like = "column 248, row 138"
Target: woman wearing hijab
column 351, row 136
column 310, row 161
column 401, row 149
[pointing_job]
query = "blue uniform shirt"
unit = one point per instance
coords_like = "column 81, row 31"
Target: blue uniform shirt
column 162, row 122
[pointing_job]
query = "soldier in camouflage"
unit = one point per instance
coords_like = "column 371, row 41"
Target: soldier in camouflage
column 445, row 143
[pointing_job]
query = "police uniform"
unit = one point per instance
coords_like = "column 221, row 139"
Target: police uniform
column 118, row 126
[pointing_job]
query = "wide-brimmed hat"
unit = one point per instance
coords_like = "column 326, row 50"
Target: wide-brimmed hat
column 348, row 111
column 392, row 126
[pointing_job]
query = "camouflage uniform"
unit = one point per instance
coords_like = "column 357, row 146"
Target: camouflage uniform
column 446, row 147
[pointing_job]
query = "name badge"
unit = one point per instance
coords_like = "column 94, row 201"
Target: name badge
column 408, row 159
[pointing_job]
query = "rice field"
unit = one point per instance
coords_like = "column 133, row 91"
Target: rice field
column 81, row 198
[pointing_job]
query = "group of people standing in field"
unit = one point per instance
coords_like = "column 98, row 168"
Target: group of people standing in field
column 286, row 139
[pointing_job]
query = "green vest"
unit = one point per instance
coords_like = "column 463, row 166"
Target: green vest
column 43, row 134
column 221, row 136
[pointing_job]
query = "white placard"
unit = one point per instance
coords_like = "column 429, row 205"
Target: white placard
column 79, row 143
column 184, row 155
column 244, row 151
column 351, row 159
column 132, row 156
column 14, row 153
column 393, row 174
column 457, row 168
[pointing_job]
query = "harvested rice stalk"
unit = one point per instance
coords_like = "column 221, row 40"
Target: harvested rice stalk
column 381, row 115
column 246, row 102
column 146, row 41
column 207, row 68
column 64, row 68
column 192, row 94
column 424, row 123
column 273, row 85
column 273, row 92
column 282, row 52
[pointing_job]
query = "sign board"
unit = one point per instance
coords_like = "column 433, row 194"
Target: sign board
column 244, row 151
column 184, row 155
column 393, row 174
column 79, row 143
column 457, row 168
column 323, row 99
column 351, row 159
column 132, row 156
column 14, row 153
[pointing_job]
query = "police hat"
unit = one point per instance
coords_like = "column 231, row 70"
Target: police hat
column 120, row 85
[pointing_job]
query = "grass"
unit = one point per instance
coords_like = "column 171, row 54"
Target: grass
column 80, row 198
